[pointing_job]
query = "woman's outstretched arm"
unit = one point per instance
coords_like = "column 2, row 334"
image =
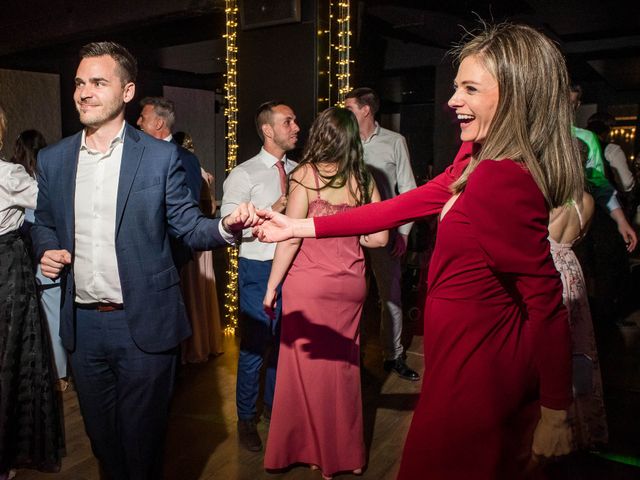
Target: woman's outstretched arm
column 374, row 217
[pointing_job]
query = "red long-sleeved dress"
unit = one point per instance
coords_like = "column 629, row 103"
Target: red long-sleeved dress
column 496, row 335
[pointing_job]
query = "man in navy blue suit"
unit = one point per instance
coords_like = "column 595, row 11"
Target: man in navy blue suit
column 109, row 199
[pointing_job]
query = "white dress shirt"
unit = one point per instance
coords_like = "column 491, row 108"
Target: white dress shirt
column 95, row 262
column 258, row 181
column 618, row 161
column 18, row 190
column 387, row 156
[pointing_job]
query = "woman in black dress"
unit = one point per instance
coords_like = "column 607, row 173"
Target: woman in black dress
column 30, row 418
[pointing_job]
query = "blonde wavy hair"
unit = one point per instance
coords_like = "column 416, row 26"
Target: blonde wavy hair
column 532, row 123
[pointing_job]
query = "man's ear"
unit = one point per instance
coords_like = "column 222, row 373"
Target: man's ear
column 366, row 110
column 267, row 130
column 129, row 92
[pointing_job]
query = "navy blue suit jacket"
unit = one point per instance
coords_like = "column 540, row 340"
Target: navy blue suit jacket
column 182, row 254
column 193, row 174
column 153, row 202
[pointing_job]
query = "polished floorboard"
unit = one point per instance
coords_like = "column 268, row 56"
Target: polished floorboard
column 202, row 442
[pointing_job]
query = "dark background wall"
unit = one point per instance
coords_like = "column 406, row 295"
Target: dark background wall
column 399, row 48
column 277, row 62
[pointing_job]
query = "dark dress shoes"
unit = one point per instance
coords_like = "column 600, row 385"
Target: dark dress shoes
column 248, row 434
column 400, row 368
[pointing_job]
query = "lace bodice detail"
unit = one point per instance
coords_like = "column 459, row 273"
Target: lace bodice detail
column 321, row 208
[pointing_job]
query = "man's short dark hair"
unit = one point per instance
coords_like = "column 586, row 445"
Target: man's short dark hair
column 577, row 89
column 162, row 107
column 264, row 114
column 127, row 63
column 365, row 96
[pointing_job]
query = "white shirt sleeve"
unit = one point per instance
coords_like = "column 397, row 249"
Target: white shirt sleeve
column 404, row 176
column 226, row 236
column 19, row 189
column 236, row 190
column 618, row 161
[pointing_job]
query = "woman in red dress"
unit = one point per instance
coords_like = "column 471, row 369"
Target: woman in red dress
column 497, row 378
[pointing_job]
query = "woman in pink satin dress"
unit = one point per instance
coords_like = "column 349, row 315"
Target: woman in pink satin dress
column 317, row 408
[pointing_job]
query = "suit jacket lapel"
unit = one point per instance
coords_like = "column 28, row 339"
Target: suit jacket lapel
column 68, row 173
column 131, row 155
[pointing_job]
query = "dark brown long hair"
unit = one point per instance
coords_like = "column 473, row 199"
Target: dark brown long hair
column 335, row 138
column 26, row 150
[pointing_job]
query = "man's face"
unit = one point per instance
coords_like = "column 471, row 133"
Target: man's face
column 100, row 96
column 283, row 129
column 360, row 112
column 574, row 98
column 148, row 120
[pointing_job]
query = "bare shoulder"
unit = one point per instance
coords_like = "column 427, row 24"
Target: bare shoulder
column 587, row 207
column 302, row 173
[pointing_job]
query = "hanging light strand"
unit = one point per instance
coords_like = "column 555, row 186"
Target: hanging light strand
column 343, row 56
column 231, row 115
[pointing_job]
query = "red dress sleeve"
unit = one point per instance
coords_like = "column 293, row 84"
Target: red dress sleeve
column 509, row 218
column 425, row 200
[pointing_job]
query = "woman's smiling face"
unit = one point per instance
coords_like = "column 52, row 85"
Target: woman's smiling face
column 475, row 99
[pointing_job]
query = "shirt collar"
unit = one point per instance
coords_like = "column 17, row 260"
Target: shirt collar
column 269, row 160
column 375, row 132
column 119, row 138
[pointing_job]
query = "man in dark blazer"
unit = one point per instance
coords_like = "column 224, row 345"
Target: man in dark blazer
column 157, row 117
column 109, row 198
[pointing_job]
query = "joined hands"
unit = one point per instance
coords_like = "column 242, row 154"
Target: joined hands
column 273, row 227
column 244, row 216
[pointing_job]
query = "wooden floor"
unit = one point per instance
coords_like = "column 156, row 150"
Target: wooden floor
column 202, row 441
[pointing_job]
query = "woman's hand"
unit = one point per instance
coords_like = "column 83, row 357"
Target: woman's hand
column 552, row 436
column 269, row 301
column 273, row 227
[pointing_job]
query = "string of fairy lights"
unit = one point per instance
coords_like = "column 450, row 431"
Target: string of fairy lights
column 334, row 79
column 343, row 48
column 231, row 115
column 334, row 52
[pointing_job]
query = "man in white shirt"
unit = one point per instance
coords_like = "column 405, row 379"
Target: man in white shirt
column 387, row 156
column 616, row 166
column 109, row 197
column 260, row 180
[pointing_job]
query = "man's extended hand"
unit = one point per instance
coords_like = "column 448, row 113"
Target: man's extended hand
column 628, row 235
column 626, row 231
column 53, row 261
column 244, row 216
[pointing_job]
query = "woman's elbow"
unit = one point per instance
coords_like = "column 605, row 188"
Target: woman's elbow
column 383, row 240
column 377, row 240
